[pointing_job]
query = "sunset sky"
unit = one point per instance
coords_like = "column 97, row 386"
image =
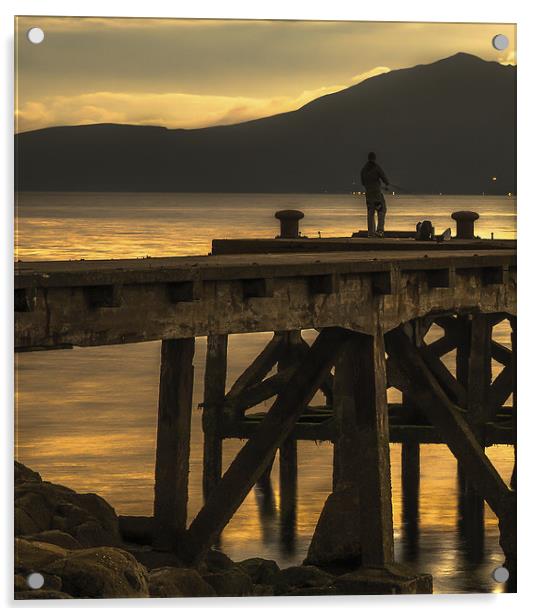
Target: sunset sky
column 194, row 73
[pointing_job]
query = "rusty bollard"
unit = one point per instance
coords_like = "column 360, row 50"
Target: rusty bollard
column 289, row 223
column 465, row 224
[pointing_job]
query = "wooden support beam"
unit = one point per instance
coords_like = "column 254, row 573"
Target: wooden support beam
column 173, row 439
column 440, row 278
column 212, row 413
column 501, row 353
column 258, row 369
column 452, row 387
column 104, row 296
column 514, row 413
column 479, row 372
column 462, row 361
column 356, row 524
column 258, row 452
column 185, row 291
column 294, row 352
column 288, row 490
column 257, row 287
column 421, row 386
column 410, row 477
column 324, row 284
column 500, row 390
column 367, row 355
column 442, row 346
column 256, row 394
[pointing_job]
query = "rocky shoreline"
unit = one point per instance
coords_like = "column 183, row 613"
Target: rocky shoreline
column 84, row 550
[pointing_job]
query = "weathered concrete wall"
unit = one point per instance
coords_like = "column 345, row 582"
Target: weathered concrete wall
column 61, row 307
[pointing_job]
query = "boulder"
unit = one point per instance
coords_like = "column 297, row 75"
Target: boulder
column 230, row 583
column 337, row 539
column 23, row 473
column 104, row 572
column 42, row 594
column 35, row 555
column 260, row 570
column 305, row 576
column 51, row 582
column 56, row 537
column 263, row 590
column 389, row 580
column 154, row 559
column 175, row 582
column 217, row 561
column 43, row 506
column 311, row 592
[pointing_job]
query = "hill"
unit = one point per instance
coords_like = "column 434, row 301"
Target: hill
column 448, row 127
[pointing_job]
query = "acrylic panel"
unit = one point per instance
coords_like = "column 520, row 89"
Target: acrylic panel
column 265, row 308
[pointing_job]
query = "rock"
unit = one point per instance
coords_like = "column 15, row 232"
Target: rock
column 217, row 561
column 389, row 580
column 35, row 507
column 43, row 506
column 56, row 537
column 154, row 559
column 24, row 525
column 230, row 583
column 20, row 582
column 263, row 590
column 260, row 570
column 305, row 576
column 337, row 538
column 42, row 594
column 175, row 582
column 311, row 592
column 35, row 555
column 100, row 573
column 23, row 473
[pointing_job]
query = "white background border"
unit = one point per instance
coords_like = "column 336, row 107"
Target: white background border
column 524, row 13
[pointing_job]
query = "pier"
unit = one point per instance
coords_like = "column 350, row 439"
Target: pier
column 372, row 302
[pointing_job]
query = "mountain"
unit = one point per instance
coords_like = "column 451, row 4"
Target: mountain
column 448, row 127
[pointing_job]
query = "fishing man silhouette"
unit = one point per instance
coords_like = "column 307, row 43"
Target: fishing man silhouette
column 371, row 174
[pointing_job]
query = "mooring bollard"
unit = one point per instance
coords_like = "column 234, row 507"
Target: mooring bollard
column 465, row 224
column 289, row 222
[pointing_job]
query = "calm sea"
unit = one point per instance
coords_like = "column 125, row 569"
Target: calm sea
column 86, row 417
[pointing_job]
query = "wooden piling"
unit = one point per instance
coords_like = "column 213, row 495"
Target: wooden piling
column 173, row 441
column 257, row 453
column 356, row 525
column 212, row 413
column 513, row 322
column 368, row 357
column 410, row 477
column 288, row 452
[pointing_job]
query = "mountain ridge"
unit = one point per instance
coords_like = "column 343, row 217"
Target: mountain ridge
column 454, row 119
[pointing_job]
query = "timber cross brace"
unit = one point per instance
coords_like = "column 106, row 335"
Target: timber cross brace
column 460, row 414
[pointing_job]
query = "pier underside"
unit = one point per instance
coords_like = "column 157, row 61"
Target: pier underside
column 373, row 310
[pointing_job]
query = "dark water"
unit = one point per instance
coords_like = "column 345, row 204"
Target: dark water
column 86, row 417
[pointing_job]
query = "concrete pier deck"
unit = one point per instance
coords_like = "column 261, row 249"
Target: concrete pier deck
column 85, row 302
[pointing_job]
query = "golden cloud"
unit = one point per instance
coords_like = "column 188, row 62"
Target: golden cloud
column 173, row 109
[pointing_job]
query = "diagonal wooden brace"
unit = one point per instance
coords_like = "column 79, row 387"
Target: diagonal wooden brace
column 418, row 382
column 258, row 452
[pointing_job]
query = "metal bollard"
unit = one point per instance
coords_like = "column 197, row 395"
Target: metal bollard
column 289, row 223
column 465, row 224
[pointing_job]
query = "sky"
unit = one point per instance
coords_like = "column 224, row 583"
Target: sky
column 196, row 73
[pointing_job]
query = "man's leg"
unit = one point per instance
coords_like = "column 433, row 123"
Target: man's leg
column 370, row 220
column 381, row 217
